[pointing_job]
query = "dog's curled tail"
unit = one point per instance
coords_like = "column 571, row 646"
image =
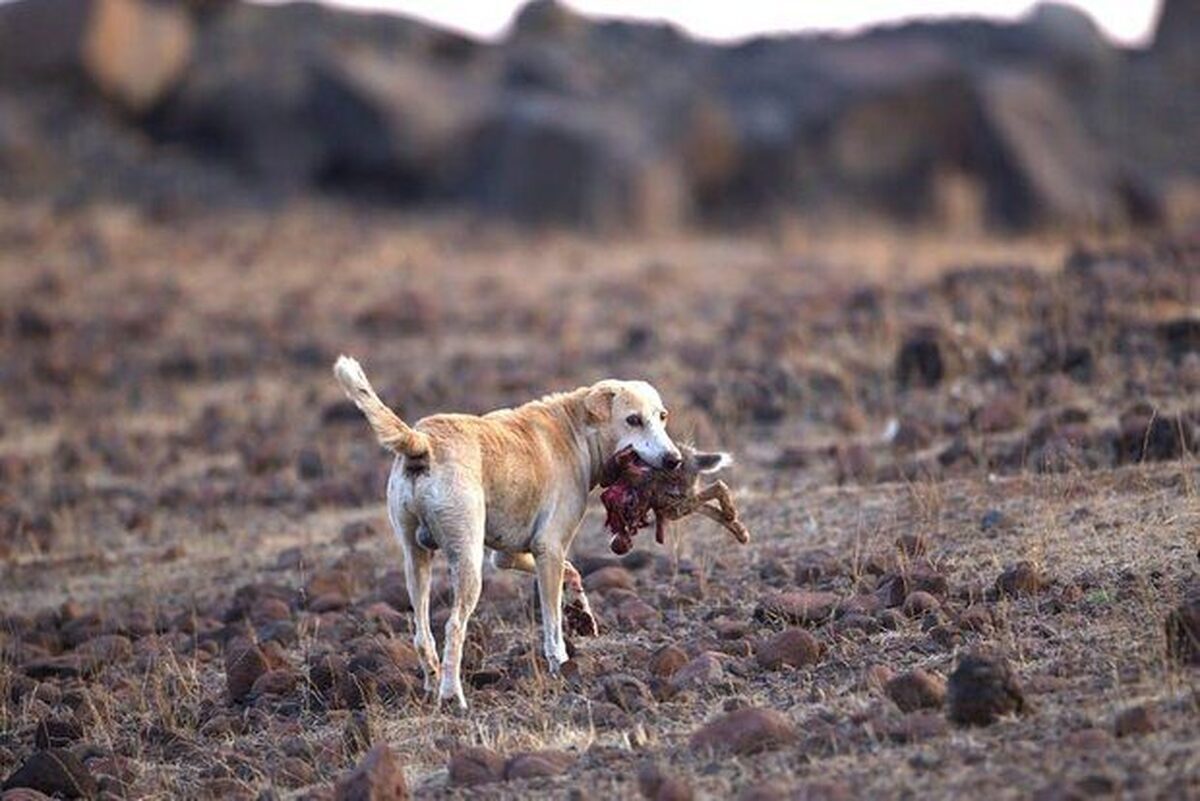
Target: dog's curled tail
column 392, row 432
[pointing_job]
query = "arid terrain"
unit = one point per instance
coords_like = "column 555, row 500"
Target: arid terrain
column 947, row 449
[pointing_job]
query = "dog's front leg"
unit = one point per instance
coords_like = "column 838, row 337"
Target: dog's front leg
column 579, row 616
column 550, row 567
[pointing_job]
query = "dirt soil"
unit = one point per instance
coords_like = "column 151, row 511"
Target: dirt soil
column 945, row 448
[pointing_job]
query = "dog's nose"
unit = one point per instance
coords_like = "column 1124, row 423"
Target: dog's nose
column 671, row 460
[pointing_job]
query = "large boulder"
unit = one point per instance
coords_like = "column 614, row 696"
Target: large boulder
column 132, row 51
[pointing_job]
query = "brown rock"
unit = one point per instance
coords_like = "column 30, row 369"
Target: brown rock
column 1021, row 579
column 328, row 602
column 744, row 731
column 976, row 618
column 877, row 677
column 329, row 582
column 55, row 772
column 703, row 671
column 795, row 647
column 916, row 689
column 657, row 785
column 280, row 681
column 538, row 763
column 472, row 766
column 627, row 692
column 1142, row 719
column 981, row 689
column 1183, row 632
column 244, row 664
column 23, row 794
column 800, row 607
column 608, row 578
column 919, row 603
column 378, row 777
column 53, row 732
column 915, row 727
column 666, row 660
column 1004, row 412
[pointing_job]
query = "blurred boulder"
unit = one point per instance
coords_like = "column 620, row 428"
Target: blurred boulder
column 133, row 51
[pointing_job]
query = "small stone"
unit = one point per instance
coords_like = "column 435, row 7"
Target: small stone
column 704, row 671
column 613, row 577
column 744, row 731
column 1142, row 719
column 800, row 607
column 538, row 763
column 1021, row 579
column 981, row 689
column 916, row 689
column 1183, row 632
column 919, row 603
column 915, row 727
column 657, row 785
column 976, row 618
column 378, row 777
column 795, row 647
column 627, row 692
column 279, row 682
column 876, row 677
column 666, row 660
column 471, row 766
column 55, row 772
column 244, row 664
column 57, row 733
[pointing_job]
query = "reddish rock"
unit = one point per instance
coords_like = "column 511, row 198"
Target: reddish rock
column 637, row 614
column 627, row 692
column 608, row 578
column 55, row 772
column 471, row 766
column 393, row 590
column 1141, row 719
column 329, row 582
column 657, row 785
column 915, row 727
column 538, row 763
column 278, row 682
column 799, row 607
column 745, row 731
column 383, row 613
column 877, row 677
column 976, row 618
column 666, row 660
column 1004, row 412
column 981, row 689
column 378, row 777
column 53, row 732
column 916, row 689
column 703, row 671
column 328, row 602
column 244, row 664
column 269, row 610
column 919, row 603
column 1183, row 632
column 795, row 647
column 1021, row 579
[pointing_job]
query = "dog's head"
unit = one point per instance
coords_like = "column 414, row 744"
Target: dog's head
column 631, row 414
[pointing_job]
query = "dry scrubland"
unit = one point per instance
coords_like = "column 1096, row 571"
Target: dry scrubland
column 200, row 597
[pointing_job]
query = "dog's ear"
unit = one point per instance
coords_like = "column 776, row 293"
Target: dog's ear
column 598, row 403
column 712, row 462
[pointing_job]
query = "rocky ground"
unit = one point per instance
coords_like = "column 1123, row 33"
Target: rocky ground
column 968, row 468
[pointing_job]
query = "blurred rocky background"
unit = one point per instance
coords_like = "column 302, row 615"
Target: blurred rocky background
column 171, row 105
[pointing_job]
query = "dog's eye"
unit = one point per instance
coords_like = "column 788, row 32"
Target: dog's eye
column 634, row 420
column 662, row 416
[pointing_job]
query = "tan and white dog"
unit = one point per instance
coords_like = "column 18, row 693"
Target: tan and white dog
column 513, row 480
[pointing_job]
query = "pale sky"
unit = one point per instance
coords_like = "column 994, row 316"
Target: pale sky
column 1128, row 21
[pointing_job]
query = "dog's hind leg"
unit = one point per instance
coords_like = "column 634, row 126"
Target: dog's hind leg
column 464, row 549
column 418, row 570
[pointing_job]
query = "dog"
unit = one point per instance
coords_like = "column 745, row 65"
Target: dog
column 515, row 481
